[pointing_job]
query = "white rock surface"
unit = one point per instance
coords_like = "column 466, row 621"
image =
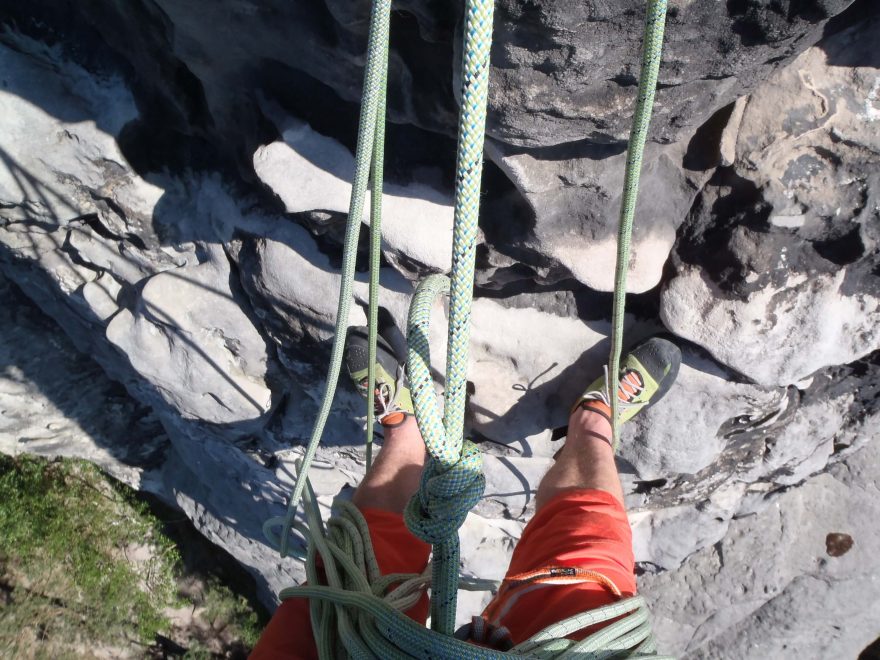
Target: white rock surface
column 777, row 336
column 788, row 286
column 300, row 283
column 826, row 104
column 57, row 125
column 190, row 338
column 665, row 537
column 684, row 434
column 528, row 367
column 771, row 589
column 576, row 201
column 310, row 171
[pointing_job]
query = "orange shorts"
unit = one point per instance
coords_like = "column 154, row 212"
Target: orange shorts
column 574, row 555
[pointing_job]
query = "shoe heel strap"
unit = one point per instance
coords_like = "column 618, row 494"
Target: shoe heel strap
column 393, row 420
column 596, row 406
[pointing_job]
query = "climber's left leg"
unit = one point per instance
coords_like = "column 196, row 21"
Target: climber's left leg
column 394, row 476
column 381, row 497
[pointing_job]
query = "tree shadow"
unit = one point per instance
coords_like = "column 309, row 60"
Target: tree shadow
column 47, row 218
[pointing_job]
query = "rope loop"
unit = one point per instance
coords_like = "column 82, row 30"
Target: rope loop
column 446, row 496
column 452, row 481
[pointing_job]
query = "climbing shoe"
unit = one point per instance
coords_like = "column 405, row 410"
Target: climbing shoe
column 646, row 374
column 391, row 398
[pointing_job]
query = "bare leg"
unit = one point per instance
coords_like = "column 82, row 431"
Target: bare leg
column 586, row 461
column 394, row 476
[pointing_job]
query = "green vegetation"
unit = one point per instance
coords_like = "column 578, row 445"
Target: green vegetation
column 86, row 569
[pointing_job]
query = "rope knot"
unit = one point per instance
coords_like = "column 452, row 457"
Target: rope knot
column 446, row 495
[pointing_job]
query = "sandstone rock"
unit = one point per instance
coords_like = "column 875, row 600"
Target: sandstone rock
column 574, row 192
column 101, row 296
column 564, row 73
column 785, row 244
column 58, row 402
column 74, row 118
column 296, row 285
column 727, row 143
column 664, row 538
column 777, row 335
column 814, row 159
column 527, row 376
column 754, row 592
column 806, row 443
column 511, row 484
column 560, row 72
column 522, row 383
column 686, row 431
column 228, row 496
column 309, row 171
column 189, row 337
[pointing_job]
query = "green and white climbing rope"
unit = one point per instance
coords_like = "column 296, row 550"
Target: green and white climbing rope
column 376, row 175
column 453, row 480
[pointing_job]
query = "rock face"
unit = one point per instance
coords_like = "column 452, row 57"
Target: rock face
column 792, row 288
column 763, row 602
column 310, row 171
column 575, row 197
column 48, row 392
column 552, row 69
column 191, row 340
column 173, row 194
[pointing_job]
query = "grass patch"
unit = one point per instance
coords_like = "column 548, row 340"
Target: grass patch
column 86, row 569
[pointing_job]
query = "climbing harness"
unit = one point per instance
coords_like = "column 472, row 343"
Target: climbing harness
column 360, row 612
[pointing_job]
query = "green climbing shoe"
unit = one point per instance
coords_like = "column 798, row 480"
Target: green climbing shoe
column 646, row 374
column 392, row 400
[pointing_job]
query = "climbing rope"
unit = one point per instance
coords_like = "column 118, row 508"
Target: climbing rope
column 358, row 611
column 375, row 77
column 452, row 481
column 652, row 47
column 376, row 175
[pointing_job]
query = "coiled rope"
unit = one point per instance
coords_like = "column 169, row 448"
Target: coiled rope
column 358, row 612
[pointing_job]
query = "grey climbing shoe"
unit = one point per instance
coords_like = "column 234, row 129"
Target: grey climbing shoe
column 646, row 374
column 391, row 398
